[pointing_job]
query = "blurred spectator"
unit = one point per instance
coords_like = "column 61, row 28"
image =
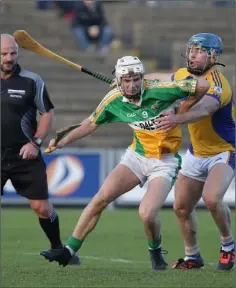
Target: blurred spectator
column 90, row 26
column 66, row 8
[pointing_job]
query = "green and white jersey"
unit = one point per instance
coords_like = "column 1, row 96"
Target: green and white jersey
column 158, row 97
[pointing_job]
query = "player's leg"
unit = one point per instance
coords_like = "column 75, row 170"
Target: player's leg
column 216, row 185
column 188, row 191
column 153, row 200
column 118, row 182
column 30, row 181
column 161, row 176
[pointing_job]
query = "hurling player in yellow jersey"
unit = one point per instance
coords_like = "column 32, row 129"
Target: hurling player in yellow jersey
column 209, row 164
column 152, row 156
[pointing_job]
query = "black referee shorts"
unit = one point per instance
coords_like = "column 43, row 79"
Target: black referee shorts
column 27, row 176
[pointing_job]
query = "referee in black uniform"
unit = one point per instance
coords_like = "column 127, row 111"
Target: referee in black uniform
column 23, row 93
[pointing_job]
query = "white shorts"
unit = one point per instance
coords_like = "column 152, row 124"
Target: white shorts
column 147, row 169
column 199, row 167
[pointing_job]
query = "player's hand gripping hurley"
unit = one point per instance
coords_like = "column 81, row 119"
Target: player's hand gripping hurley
column 60, row 134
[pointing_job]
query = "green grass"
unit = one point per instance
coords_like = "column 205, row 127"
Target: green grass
column 119, row 235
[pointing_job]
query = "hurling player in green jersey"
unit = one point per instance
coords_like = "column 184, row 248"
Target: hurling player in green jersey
column 152, row 156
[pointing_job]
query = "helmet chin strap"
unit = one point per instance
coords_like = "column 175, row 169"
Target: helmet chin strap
column 133, row 97
column 220, row 64
column 130, row 97
column 196, row 71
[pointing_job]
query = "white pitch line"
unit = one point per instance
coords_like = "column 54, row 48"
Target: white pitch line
column 121, row 260
column 118, row 260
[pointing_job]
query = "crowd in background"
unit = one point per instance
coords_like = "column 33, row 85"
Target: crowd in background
column 87, row 21
column 92, row 31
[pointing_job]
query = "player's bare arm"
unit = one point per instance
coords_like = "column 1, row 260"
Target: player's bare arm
column 87, row 127
column 193, row 100
column 170, row 120
column 206, row 106
column 201, row 88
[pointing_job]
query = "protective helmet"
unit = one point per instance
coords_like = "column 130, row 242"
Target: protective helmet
column 127, row 66
column 213, row 45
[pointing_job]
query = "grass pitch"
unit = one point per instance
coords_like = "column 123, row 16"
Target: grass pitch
column 114, row 255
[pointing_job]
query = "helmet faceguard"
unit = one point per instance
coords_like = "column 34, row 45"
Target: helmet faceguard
column 130, row 68
column 207, row 43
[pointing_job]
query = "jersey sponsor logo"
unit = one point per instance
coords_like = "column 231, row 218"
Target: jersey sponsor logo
column 148, row 125
column 218, row 90
column 12, row 91
column 15, row 96
column 131, row 114
column 155, row 106
column 16, row 93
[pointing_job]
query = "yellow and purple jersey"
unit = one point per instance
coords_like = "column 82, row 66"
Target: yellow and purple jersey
column 158, row 97
column 215, row 133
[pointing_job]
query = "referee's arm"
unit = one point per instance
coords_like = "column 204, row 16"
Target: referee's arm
column 45, row 108
column 44, row 125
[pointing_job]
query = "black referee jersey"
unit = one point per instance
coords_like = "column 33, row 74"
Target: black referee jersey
column 22, row 95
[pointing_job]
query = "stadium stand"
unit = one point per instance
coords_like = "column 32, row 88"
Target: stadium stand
column 139, row 29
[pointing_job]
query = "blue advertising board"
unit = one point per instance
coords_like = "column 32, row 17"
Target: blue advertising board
column 74, row 176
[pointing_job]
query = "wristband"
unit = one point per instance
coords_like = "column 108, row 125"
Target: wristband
column 36, row 141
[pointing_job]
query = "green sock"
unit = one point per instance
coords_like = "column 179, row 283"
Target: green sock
column 154, row 245
column 74, row 243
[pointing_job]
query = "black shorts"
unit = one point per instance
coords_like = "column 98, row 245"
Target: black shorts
column 28, row 177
